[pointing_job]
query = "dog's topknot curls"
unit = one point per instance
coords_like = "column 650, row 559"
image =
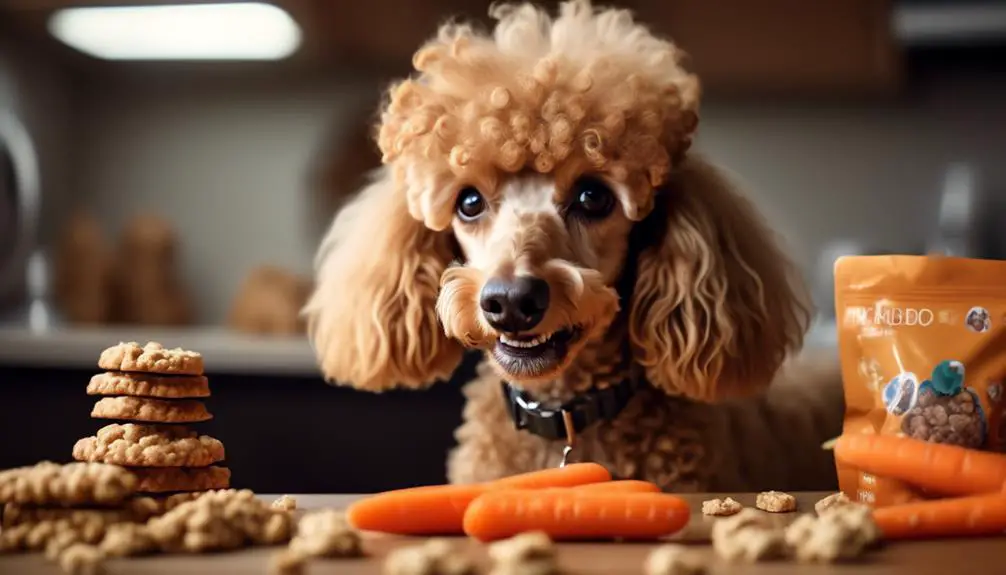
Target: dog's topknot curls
column 589, row 89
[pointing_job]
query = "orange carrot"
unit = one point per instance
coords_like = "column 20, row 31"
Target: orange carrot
column 572, row 475
column 621, row 486
column 440, row 509
column 956, row 517
column 570, row 514
column 941, row 468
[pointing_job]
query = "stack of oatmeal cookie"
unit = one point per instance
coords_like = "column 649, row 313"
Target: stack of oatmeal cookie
column 153, row 395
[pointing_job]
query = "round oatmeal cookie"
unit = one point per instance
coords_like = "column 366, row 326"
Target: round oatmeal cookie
column 149, row 385
column 151, row 358
column 138, row 445
column 165, row 479
column 151, row 410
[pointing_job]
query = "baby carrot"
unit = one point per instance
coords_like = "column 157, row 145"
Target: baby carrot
column 621, row 486
column 941, row 468
column 956, row 517
column 570, row 476
column 440, row 509
column 570, row 514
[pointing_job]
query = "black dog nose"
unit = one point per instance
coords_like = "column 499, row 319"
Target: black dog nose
column 514, row 305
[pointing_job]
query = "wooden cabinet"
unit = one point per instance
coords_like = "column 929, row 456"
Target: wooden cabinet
column 785, row 47
column 817, row 48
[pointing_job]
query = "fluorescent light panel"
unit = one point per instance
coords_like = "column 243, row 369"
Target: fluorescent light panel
column 235, row 31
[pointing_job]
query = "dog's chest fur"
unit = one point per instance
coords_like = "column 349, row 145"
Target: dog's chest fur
column 656, row 437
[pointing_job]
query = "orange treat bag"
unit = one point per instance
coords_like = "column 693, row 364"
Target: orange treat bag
column 923, row 350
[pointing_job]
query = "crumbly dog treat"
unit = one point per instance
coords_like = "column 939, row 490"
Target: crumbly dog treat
column 49, row 483
column 287, row 562
column 326, row 534
column 842, row 534
column 149, row 446
column 832, row 501
column 721, row 507
column 15, row 514
column 127, row 539
column 60, row 541
column 523, row 547
column 82, row 559
column 37, row 536
column 286, row 503
column 151, row 358
column 748, row 536
column 148, row 410
column 529, row 553
column 435, row 557
column 165, row 479
column 149, row 385
column 775, row 502
column 220, row 520
column 674, row 560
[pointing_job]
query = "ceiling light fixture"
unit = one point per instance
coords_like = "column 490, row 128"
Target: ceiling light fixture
column 231, row 31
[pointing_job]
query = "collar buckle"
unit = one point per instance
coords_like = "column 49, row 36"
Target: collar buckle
column 568, row 420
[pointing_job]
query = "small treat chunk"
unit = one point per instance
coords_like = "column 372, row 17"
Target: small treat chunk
column 326, row 534
column 52, row 484
column 82, row 559
column 286, row 503
column 149, row 446
column 61, row 541
column 435, row 557
column 721, row 507
column 842, row 534
column 748, row 536
column 830, row 502
column 151, row 358
column 167, row 479
column 220, row 520
column 775, row 502
column 90, row 523
column 529, row 553
column 148, row 410
column 674, row 560
column 287, row 562
column 149, row 385
column 127, row 539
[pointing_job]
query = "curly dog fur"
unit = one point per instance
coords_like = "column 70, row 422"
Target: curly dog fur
column 680, row 284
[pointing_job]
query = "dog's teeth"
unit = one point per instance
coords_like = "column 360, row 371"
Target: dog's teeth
column 536, row 341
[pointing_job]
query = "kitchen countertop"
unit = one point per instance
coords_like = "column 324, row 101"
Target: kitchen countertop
column 225, row 351
column 985, row 555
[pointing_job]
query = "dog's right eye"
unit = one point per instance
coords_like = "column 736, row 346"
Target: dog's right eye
column 470, row 204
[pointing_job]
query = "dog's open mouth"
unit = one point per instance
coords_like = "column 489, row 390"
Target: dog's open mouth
column 530, row 356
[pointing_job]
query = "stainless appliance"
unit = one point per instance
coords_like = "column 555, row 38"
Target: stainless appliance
column 19, row 210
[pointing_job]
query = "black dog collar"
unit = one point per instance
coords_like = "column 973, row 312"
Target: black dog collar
column 567, row 420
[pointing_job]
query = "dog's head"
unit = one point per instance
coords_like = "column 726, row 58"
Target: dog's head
column 536, row 185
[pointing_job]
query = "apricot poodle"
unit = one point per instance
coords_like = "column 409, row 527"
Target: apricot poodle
column 539, row 202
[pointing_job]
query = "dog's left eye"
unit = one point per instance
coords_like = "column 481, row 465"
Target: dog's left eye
column 592, row 198
column 470, row 204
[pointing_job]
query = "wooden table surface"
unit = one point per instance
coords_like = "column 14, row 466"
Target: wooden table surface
column 945, row 557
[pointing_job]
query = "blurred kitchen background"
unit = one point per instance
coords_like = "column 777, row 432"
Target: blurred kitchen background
column 170, row 178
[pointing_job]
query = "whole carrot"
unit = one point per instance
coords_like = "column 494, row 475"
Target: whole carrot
column 440, row 509
column 571, row 514
column 956, row 517
column 941, row 468
column 572, row 475
column 621, row 486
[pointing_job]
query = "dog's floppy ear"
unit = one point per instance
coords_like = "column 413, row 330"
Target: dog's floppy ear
column 716, row 305
column 372, row 316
